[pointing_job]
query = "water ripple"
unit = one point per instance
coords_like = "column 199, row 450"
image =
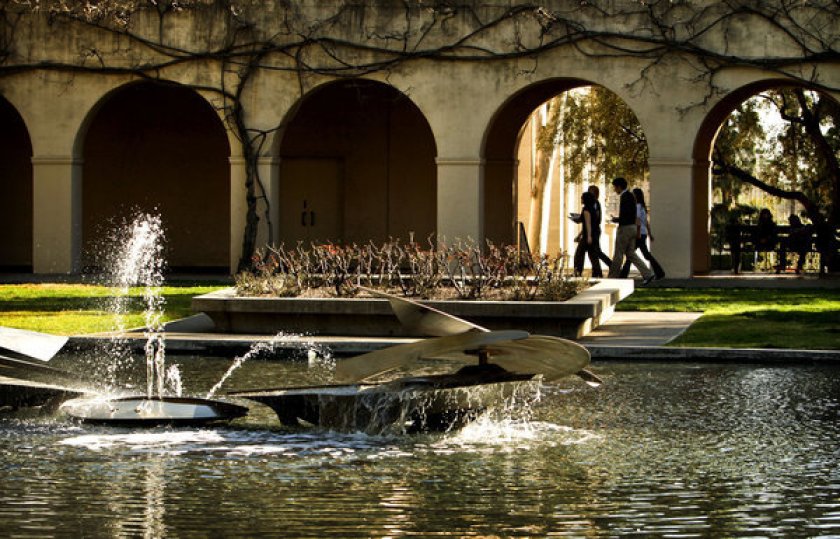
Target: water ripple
column 659, row 451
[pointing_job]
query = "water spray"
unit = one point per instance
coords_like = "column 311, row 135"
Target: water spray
column 139, row 262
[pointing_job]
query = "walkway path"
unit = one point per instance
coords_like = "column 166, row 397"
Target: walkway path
column 640, row 329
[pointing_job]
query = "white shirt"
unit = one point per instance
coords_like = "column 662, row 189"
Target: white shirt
column 641, row 215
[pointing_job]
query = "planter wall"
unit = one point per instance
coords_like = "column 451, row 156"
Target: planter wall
column 369, row 317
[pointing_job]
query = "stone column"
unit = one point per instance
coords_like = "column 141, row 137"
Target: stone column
column 267, row 168
column 238, row 209
column 701, row 217
column 500, row 200
column 56, row 214
column 677, row 210
column 460, row 200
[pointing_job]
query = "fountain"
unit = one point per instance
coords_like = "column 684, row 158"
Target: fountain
column 385, row 390
column 499, row 366
column 140, row 263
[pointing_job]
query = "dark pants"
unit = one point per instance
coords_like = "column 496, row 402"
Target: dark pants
column 733, row 238
column 595, row 255
column 641, row 245
column 735, row 253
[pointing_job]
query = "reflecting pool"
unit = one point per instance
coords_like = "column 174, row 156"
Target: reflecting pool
column 662, row 450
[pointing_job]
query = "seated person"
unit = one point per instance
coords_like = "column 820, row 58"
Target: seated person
column 765, row 236
column 798, row 241
column 827, row 245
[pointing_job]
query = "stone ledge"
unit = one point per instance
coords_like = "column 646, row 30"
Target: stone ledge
column 758, row 356
column 373, row 317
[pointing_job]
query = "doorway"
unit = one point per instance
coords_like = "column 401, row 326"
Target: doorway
column 311, row 200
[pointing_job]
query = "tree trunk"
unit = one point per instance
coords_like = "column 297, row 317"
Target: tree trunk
column 537, row 194
column 811, row 122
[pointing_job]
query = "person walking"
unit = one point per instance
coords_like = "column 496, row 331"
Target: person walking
column 628, row 232
column 643, row 222
column 582, row 248
column 591, row 232
column 733, row 238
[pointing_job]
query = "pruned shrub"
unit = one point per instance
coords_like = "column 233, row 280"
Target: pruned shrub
column 462, row 270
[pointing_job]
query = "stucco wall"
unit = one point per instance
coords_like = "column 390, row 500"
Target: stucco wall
column 471, row 106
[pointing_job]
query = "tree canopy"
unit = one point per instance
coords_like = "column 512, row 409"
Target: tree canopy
column 784, row 141
column 603, row 133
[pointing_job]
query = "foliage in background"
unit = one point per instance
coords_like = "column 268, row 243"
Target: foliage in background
column 604, row 136
column 741, row 141
column 461, row 271
column 785, row 142
column 587, row 134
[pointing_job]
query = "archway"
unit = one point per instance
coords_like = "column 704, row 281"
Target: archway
column 15, row 191
column 537, row 155
column 749, row 121
column 356, row 164
column 160, row 148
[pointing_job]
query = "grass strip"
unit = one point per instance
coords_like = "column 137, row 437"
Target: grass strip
column 76, row 309
column 733, row 317
column 749, row 317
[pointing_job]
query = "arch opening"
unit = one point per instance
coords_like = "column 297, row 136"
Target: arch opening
column 356, row 164
column 545, row 146
column 159, row 148
column 15, row 191
column 772, row 145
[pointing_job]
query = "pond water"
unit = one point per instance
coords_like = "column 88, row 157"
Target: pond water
column 661, row 450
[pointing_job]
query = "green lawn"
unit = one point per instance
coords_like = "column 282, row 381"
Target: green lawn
column 749, row 318
column 74, row 309
column 738, row 318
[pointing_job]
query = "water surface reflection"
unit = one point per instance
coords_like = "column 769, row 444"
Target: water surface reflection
column 660, row 450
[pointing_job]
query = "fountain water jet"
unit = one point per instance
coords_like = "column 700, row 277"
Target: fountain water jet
column 256, row 349
column 318, row 356
column 140, row 263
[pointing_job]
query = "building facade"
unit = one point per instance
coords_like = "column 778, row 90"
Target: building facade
column 357, row 121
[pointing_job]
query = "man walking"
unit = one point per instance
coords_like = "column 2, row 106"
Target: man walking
column 628, row 231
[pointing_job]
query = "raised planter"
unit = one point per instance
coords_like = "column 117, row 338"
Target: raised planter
column 372, row 317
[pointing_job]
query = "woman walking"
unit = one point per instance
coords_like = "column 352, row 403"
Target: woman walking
column 644, row 230
column 591, row 233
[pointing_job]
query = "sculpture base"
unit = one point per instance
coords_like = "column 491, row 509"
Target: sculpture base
column 143, row 411
column 436, row 403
